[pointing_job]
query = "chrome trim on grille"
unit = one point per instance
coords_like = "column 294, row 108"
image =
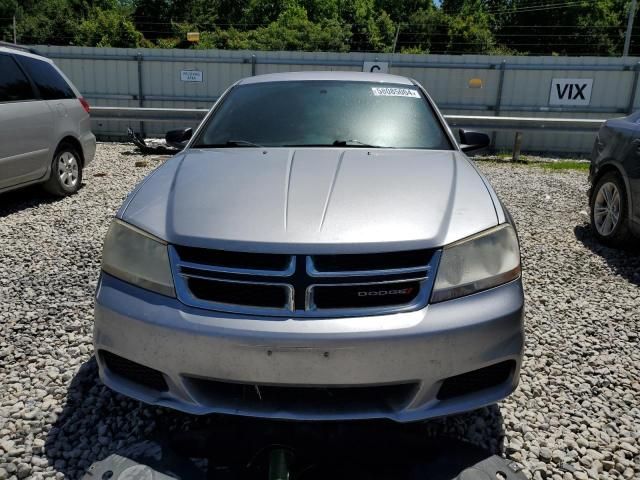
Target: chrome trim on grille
column 301, row 279
column 289, row 306
column 313, row 272
column 291, row 268
column 185, row 296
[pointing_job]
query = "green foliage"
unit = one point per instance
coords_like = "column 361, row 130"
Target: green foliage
column 428, row 32
column 108, row 28
column 292, row 30
column 7, row 10
column 53, row 21
column 470, row 31
column 505, row 27
column 566, row 165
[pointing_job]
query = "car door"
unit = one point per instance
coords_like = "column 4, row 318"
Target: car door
column 631, row 165
column 26, row 127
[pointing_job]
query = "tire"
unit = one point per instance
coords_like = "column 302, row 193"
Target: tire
column 66, row 171
column 609, row 211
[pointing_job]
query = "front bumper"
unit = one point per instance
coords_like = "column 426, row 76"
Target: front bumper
column 197, row 350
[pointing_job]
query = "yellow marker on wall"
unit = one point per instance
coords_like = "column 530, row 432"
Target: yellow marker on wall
column 475, row 83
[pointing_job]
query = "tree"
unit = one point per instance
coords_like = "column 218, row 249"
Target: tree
column 581, row 27
column 294, row 31
column 8, row 9
column 108, row 28
column 48, row 21
column 427, row 31
column 470, row 30
column 543, row 27
column 401, row 10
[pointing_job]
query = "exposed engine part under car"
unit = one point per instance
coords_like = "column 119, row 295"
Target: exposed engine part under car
column 155, row 145
column 299, row 452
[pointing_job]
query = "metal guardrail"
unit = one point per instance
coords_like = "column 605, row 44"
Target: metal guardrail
column 138, row 114
column 490, row 123
column 525, row 123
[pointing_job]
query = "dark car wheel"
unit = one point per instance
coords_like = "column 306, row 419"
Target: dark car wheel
column 66, row 171
column 609, row 211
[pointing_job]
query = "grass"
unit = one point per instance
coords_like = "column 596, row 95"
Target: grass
column 534, row 161
column 564, row 165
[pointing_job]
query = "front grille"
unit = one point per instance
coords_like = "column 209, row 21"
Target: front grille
column 294, row 398
column 134, row 372
column 303, row 285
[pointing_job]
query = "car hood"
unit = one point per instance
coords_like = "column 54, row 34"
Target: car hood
column 318, row 200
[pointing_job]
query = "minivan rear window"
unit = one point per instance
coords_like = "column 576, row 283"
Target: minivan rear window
column 14, row 85
column 50, row 83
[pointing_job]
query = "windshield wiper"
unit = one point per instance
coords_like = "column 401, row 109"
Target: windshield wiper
column 230, row 143
column 243, row 143
column 346, row 143
column 337, row 143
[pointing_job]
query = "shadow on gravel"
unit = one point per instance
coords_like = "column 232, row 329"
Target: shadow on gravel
column 625, row 263
column 100, row 431
column 24, row 198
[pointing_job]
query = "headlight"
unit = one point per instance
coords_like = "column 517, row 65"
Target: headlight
column 483, row 261
column 137, row 257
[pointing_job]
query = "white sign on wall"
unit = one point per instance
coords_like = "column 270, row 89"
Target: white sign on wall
column 191, row 75
column 375, row 67
column 571, row 91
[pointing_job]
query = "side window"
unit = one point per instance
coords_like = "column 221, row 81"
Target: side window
column 51, row 85
column 14, row 85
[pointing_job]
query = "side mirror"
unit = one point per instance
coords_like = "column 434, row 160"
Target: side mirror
column 470, row 141
column 178, row 138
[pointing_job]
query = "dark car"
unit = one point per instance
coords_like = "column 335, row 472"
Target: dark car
column 614, row 175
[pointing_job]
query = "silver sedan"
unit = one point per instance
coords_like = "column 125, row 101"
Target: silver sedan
column 321, row 249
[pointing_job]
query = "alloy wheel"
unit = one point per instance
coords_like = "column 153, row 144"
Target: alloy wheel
column 607, row 206
column 68, row 169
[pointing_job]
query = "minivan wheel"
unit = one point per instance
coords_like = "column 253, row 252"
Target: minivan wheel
column 66, row 171
column 609, row 217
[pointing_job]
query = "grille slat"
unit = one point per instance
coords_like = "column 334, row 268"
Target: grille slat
column 240, row 293
column 305, row 286
column 368, row 262
column 234, row 260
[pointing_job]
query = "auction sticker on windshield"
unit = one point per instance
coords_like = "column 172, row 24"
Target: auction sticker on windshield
column 394, row 92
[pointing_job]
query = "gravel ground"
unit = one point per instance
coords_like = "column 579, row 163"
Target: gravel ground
column 575, row 415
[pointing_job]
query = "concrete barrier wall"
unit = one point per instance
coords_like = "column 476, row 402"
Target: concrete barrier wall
column 510, row 86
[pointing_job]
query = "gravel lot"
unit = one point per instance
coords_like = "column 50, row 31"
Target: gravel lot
column 576, row 413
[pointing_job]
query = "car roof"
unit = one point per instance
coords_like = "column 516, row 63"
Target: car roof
column 24, row 53
column 327, row 75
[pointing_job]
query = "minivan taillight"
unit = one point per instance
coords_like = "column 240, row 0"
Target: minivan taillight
column 85, row 104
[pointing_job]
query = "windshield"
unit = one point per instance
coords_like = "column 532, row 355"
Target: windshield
column 324, row 113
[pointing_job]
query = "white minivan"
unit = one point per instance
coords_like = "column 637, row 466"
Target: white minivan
column 45, row 130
